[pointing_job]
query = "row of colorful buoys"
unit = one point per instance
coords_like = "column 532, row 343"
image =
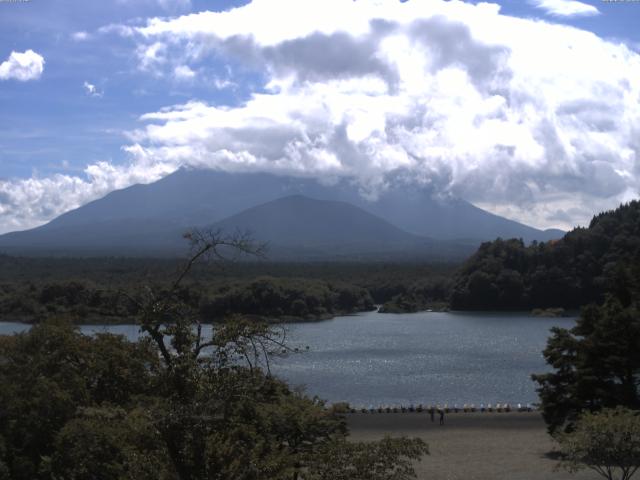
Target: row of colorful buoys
column 466, row 408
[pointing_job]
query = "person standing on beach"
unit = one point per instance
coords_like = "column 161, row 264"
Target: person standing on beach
column 441, row 411
column 431, row 414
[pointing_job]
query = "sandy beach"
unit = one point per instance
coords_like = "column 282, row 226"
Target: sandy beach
column 472, row 446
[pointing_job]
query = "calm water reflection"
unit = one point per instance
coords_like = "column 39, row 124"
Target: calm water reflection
column 410, row 358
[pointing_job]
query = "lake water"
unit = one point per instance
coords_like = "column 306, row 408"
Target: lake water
column 430, row 357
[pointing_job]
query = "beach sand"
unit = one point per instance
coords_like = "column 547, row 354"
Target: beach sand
column 472, row 446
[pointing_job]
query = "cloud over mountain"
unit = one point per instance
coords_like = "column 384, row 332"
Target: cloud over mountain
column 534, row 120
column 519, row 114
column 25, row 203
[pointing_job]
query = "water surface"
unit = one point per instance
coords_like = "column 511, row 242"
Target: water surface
column 428, row 357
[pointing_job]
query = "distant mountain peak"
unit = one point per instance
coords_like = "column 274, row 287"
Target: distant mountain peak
column 144, row 217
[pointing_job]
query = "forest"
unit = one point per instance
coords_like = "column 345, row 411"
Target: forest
column 104, row 290
column 573, row 271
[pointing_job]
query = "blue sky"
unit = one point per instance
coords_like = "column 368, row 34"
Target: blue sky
column 131, row 90
column 52, row 122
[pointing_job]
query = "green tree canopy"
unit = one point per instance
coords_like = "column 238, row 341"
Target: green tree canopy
column 52, row 371
column 596, row 364
column 607, row 442
column 578, row 269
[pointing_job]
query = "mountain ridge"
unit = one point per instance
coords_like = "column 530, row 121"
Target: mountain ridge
column 150, row 216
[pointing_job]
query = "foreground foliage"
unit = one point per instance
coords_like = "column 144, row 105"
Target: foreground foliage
column 49, row 376
column 180, row 404
column 607, row 442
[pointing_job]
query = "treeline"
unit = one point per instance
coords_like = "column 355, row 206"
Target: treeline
column 382, row 279
column 502, row 275
column 278, row 298
column 595, row 365
column 425, row 294
column 573, row 271
column 83, row 302
column 108, row 290
column 267, row 297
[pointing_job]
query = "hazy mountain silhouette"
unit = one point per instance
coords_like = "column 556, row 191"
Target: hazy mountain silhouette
column 308, row 228
column 301, row 221
column 149, row 218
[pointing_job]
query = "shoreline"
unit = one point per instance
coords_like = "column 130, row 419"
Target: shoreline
column 98, row 320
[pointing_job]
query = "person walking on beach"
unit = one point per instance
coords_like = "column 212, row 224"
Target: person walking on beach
column 432, row 414
column 441, row 411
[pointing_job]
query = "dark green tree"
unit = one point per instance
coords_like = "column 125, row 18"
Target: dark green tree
column 575, row 270
column 596, row 364
column 51, row 372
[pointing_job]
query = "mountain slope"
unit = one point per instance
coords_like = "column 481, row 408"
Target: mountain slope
column 189, row 197
column 301, row 221
column 303, row 228
column 149, row 217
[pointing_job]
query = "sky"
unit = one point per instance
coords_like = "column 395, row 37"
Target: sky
column 527, row 108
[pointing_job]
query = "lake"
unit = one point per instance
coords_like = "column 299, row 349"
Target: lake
column 429, row 357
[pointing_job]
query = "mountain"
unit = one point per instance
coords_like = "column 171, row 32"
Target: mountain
column 149, row 218
column 301, row 221
column 309, row 228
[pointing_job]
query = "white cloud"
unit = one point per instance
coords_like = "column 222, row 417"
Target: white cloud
column 224, row 83
column 22, row 66
column 118, row 29
column 91, row 90
column 80, row 36
column 25, row 203
column 183, row 72
column 152, row 57
column 531, row 119
column 519, row 114
column 565, row 8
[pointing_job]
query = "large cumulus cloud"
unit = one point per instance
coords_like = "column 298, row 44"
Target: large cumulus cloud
column 534, row 120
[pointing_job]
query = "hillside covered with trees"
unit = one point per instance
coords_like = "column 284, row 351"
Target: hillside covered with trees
column 573, row 271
